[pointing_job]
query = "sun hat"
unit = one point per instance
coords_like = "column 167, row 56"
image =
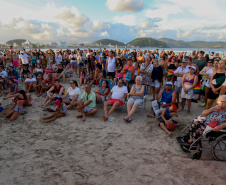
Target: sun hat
column 193, row 67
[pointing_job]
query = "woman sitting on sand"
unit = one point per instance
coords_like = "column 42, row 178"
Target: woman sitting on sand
column 72, row 95
column 102, row 92
column 13, row 87
column 66, row 73
column 38, row 70
column 216, row 113
column 136, row 98
column 18, row 108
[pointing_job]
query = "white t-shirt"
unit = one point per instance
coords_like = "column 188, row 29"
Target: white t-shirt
column 30, row 80
column 73, row 92
column 24, row 58
column 180, row 70
column 58, row 58
column 3, row 74
column 118, row 92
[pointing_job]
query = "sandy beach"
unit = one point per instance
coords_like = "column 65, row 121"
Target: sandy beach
column 69, row 151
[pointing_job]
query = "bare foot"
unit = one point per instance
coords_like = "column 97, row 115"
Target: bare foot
column 83, row 118
column 169, row 133
column 79, row 116
column 189, row 112
column 46, row 121
column 181, row 110
column 44, row 118
column 151, row 116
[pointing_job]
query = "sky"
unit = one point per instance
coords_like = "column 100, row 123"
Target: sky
column 76, row 21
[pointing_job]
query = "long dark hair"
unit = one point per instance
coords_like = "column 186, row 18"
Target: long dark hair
column 23, row 93
column 120, row 62
column 107, row 86
column 75, row 82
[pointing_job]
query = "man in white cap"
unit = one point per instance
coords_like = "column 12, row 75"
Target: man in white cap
column 168, row 97
column 58, row 57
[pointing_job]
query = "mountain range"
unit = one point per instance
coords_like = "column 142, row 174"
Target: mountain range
column 164, row 43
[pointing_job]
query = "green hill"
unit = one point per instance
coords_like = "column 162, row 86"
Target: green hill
column 109, row 41
column 192, row 44
column 148, row 42
column 17, row 41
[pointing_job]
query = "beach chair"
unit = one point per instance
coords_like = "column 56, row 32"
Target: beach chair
column 143, row 105
column 110, row 83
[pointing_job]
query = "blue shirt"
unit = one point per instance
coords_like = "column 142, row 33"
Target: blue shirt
column 167, row 97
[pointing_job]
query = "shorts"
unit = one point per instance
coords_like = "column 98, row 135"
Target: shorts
column 162, row 121
column 87, row 109
column 81, row 65
column 112, row 74
column 103, row 98
column 155, row 84
column 112, row 101
column 133, row 101
column 73, row 63
column 18, row 109
column 178, row 89
column 187, row 96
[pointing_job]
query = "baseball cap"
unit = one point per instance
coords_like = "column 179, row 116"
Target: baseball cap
column 193, row 67
column 169, row 83
column 174, row 107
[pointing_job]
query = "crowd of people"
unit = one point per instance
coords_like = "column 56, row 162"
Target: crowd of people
column 121, row 78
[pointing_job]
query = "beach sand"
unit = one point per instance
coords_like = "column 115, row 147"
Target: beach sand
column 69, row 151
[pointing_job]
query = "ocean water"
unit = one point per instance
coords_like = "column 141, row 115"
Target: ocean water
column 176, row 50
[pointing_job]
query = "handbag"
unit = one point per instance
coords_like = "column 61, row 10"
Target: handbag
column 214, row 122
column 128, row 76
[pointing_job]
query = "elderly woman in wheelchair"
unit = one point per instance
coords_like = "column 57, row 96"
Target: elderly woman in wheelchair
column 211, row 120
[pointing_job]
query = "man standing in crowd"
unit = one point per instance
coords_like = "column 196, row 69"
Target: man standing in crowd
column 200, row 61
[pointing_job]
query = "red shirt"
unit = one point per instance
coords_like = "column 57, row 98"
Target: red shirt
column 49, row 81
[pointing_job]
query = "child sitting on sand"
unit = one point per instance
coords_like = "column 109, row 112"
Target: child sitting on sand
column 61, row 111
column 18, row 108
column 84, row 77
column 167, row 114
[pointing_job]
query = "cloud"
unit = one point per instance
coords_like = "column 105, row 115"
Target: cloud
column 124, row 5
column 129, row 20
column 97, row 25
column 149, row 23
column 104, row 34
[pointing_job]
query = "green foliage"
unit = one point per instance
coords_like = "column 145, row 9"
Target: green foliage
column 17, row 41
column 148, row 42
column 192, row 44
column 109, row 41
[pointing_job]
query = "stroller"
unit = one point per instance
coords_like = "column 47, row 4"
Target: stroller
column 216, row 141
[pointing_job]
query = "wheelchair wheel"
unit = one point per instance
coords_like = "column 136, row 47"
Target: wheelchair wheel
column 197, row 155
column 219, row 148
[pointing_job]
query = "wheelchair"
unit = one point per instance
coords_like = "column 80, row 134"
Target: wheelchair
column 216, row 141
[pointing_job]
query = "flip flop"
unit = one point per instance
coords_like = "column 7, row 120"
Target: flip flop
column 129, row 120
column 125, row 119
